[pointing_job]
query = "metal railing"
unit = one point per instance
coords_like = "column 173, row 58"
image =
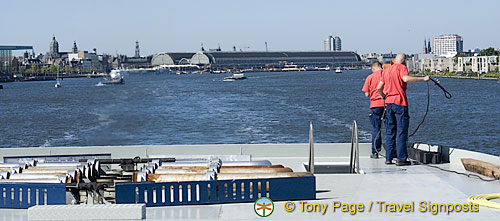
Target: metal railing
column 311, row 148
column 354, row 160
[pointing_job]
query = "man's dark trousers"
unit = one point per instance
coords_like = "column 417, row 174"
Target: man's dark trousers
column 397, row 120
column 376, row 120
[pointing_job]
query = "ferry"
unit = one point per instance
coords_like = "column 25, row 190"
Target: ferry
column 338, row 70
column 115, row 77
column 235, row 77
column 300, row 181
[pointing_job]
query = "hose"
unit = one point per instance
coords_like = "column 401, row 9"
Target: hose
column 483, row 200
column 446, row 93
column 426, row 111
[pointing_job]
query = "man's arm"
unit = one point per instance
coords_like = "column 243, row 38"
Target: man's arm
column 412, row 79
column 380, row 89
column 366, row 87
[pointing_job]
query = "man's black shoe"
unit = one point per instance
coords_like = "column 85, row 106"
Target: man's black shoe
column 403, row 163
column 374, row 156
column 388, row 162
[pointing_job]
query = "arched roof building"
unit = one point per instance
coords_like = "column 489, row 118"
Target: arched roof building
column 161, row 59
column 223, row 59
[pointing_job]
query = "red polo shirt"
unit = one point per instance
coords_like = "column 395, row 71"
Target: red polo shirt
column 370, row 86
column 395, row 87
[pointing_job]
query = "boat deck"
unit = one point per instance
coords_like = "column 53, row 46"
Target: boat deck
column 379, row 182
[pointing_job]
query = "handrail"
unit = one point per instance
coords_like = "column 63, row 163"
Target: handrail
column 354, row 160
column 311, row 148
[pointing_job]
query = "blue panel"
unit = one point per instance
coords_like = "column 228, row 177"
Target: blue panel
column 293, row 188
column 280, row 189
column 16, row 194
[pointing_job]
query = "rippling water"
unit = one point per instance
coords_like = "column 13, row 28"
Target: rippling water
column 265, row 108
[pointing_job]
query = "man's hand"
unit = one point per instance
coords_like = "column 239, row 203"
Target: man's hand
column 380, row 89
column 426, row 78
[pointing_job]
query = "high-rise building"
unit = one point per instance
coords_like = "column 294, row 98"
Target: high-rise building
column 448, row 45
column 333, row 43
column 338, row 44
column 329, row 43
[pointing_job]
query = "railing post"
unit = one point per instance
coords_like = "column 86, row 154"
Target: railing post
column 356, row 141
column 311, row 148
column 354, row 160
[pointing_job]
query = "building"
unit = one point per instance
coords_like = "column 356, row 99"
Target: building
column 329, row 43
column 84, row 59
column 448, row 45
column 427, row 46
column 338, row 44
column 218, row 60
column 6, row 57
column 333, row 43
column 477, row 64
column 438, row 64
column 54, row 48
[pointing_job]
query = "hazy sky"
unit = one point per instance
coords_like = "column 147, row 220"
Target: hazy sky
column 182, row 25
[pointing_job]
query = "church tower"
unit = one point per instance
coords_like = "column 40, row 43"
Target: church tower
column 75, row 49
column 429, row 49
column 54, row 47
column 137, row 54
column 425, row 46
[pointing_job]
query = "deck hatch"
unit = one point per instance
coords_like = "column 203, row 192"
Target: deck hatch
column 209, row 192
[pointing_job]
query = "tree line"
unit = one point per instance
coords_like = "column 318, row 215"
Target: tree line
column 35, row 69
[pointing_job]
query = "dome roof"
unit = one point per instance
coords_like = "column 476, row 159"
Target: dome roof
column 54, row 42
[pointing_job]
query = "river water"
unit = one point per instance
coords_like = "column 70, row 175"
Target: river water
column 164, row 108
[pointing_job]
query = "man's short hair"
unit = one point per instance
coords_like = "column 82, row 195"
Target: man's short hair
column 377, row 64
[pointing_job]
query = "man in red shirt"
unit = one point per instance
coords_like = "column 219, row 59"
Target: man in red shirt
column 392, row 88
column 376, row 106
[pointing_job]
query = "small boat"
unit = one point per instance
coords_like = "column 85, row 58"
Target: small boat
column 327, row 68
column 58, row 82
column 235, row 77
column 113, row 81
column 114, row 78
column 338, row 70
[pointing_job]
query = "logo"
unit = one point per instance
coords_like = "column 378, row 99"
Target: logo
column 263, row 207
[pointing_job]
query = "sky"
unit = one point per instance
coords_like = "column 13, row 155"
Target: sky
column 183, row 25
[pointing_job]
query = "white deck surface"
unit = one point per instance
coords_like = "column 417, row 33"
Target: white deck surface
column 379, row 183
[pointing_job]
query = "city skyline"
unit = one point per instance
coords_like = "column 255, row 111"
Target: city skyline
column 113, row 27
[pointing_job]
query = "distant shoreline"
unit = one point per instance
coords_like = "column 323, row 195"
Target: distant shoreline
column 459, row 77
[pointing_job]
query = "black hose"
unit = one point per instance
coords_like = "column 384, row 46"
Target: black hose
column 426, row 112
column 447, row 95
